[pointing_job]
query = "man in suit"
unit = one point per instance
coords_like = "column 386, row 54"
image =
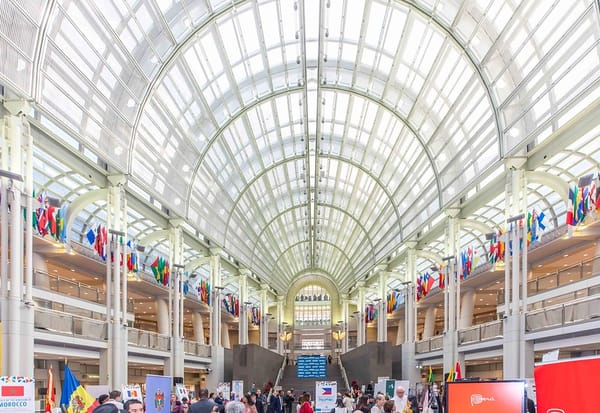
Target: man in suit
column 204, row 405
column 275, row 403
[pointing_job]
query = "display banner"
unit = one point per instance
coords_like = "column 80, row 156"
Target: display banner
column 237, row 389
column 486, row 396
column 158, row 394
column 225, row 388
column 97, row 390
column 131, row 391
column 567, row 386
column 17, row 394
column 181, row 391
column 325, row 395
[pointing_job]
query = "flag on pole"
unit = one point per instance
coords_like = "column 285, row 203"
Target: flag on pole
column 450, row 375
column 50, row 400
column 430, row 378
column 457, row 373
column 74, row 398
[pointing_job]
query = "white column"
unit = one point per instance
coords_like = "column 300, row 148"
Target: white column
column 198, row 327
column 345, row 321
column 279, row 317
column 360, row 321
column 225, row 339
column 450, row 299
column 382, row 304
column 410, row 313
column 466, row 309
column 176, row 288
column 4, row 144
column 243, row 318
column 17, row 309
column 162, row 316
column 429, row 327
column 215, row 282
column 400, row 334
column 264, row 318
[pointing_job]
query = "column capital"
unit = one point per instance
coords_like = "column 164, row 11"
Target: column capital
column 452, row 212
column 360, row 284
column 214, row 251
column 515, row 162
column 411, row 244
column 176, row 223
column 244, row 272
column 17, row 106
column 117, row 180
column 380, row 268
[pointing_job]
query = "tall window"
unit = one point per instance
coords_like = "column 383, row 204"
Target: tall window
column 312, row 307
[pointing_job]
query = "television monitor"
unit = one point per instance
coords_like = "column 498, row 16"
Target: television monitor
column 486, row 396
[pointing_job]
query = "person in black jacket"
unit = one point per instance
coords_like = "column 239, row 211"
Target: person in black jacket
column 275, row 403
column 204, row 405
column 288, row 401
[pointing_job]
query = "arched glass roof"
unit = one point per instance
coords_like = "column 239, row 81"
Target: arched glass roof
column 304, row 135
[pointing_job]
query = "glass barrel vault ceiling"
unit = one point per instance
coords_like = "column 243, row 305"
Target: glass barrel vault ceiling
column 304, row 136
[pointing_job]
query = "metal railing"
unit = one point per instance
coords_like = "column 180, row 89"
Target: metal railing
column 61, row 285
column 564, row 276
column 343, row 371
column 196, row 349
column 68, row 324
column 148, row 339
column 430, row 344
column 481, row 332
column 563, row 314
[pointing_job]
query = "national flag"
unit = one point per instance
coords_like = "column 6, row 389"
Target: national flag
column 13, row 391
column 571, row 207
column 430, row 282
column 430, row 378
column 50, row 400
column 91, row 236
column 327, row 391
column 457, row 373
column 450, row 375
column 74, row 398
column 155, row 272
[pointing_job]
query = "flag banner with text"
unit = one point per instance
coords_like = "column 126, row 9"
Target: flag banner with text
column 567, row 386
column 325, row 396
column 485, row 396
column 17, row 394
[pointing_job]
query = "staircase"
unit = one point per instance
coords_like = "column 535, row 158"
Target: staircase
column 290, row 381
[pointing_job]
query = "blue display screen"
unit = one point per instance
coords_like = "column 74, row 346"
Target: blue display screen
column 311, row 366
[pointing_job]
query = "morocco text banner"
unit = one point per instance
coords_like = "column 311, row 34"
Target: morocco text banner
column 567, row 386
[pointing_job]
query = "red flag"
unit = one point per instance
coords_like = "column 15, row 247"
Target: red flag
column 457, row 374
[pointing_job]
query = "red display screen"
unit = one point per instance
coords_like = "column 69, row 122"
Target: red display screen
column 485, row 396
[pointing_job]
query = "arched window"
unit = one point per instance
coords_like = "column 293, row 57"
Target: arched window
column 312, row 307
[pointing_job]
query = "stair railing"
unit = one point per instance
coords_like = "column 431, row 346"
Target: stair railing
column 279, row 376
column 343, row 371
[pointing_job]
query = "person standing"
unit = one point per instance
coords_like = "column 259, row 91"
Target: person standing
column 261, row 401
column 134, row 406
column 400, row 399
column 288, row 401
column 204, row 405
column 275, row 403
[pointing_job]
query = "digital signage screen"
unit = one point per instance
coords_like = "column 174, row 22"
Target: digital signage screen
column 311, row 366
column 486, row 396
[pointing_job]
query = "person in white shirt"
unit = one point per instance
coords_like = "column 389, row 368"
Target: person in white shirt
column 378, row 405
column 400, row 399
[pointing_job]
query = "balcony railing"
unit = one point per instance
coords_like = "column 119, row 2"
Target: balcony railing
column 148, row 339
column 430, row 344
column 196, row 349
column 50, row 282
column 564, row 276
column 563, row 314
column 481, row 332
column 68, row 324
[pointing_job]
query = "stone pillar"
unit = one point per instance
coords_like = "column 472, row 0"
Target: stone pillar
column 225, row 335
column 400, row 333
column 280, row 321
column 345, row 320
column 429, row 327
column 466, row 309
column 198, row 327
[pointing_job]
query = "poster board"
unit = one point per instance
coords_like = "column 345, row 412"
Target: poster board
column 567, row 385
column 131, row 391
column 486, row 396
column 181, row 391
column 237, row 389
column 225, row 388
column 158, row 393
column 17, row 394
column 325, row 395
column 97, row 389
